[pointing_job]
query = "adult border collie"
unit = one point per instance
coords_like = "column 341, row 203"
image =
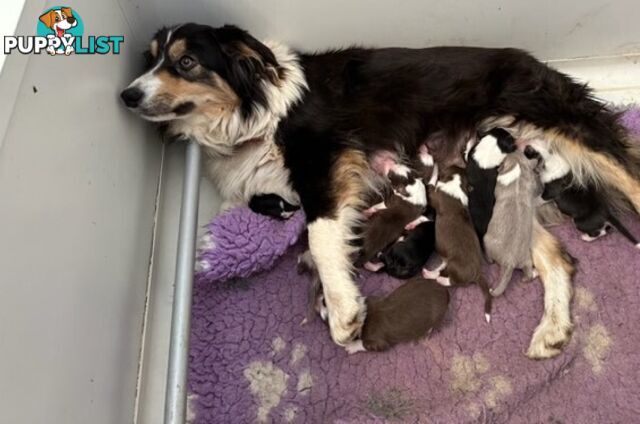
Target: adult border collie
column 273, row 120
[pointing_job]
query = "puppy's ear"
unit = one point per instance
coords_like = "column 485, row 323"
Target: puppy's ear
column 48, row 18
column 67, row 11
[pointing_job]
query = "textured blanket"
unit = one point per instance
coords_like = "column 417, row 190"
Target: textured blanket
column 252, row 361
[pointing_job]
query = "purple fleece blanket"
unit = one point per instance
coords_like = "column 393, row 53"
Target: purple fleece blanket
column 251, row 361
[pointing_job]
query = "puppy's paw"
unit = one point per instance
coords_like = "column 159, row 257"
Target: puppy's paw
column 588, row 238
column 549, row 339
column 413, row 224
column 355, row 347
column 430, row 275
column 373, row 266
column 346, row 317
column 443, row 281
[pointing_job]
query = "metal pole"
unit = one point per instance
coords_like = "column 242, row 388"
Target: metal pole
column 176, row 395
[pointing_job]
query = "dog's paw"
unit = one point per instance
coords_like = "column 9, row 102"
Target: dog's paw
column 346, row 318
column 549, row 339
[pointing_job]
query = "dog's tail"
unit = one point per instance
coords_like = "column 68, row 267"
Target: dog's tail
column 582, row 129
column 505, row 277
column 613, row 220
column 488, row 299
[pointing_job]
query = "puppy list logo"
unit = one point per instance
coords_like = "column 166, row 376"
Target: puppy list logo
column 60, row 31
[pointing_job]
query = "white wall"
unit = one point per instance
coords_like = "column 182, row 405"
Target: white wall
column 78, row 178
column 551, row 29
column 9, row 18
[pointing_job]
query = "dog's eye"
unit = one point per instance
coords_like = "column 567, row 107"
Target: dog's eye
column 187, row 62
column 57, row 19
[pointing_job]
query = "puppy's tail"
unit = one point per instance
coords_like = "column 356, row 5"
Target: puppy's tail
column 613, row 220
column 505, row 276
column 488, row 299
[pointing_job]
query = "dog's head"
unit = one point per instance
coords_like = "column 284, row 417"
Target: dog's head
column 199, row 70
column 59, row 20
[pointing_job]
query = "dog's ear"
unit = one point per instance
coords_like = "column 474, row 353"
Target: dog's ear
column 48, row 18
column 250, row 62
column 238, row 42
column 67, row 11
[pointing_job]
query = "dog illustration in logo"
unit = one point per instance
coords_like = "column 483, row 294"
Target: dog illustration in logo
column 59, row 21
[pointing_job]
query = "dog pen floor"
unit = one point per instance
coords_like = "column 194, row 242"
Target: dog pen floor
column 251, row 360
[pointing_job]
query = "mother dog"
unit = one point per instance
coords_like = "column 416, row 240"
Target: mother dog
column 273, row 120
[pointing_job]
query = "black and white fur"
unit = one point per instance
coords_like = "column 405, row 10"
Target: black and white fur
column 272, row 205
column 586, row 205
column 321, row 115
column 483, row 161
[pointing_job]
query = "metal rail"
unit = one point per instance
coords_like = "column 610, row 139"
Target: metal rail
column 176, row 394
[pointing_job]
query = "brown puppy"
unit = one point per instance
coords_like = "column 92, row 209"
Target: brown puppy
column 407, row 314
column 456, row 240
column 401, row 210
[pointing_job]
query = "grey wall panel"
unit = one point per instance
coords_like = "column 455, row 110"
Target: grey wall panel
column 78, row 177
column 551, row 29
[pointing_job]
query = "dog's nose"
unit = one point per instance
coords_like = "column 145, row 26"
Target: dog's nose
column 132, row 96
column 71, row 20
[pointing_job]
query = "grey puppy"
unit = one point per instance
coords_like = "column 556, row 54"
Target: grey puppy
column 509, row 235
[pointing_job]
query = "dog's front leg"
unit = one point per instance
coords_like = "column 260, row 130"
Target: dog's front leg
column 556, row 272
column 330, row 242
column 331, row 251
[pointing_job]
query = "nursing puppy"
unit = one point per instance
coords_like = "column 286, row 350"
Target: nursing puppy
column 406, row 257
column 407, row 314
column 483, row 161
column 508, row 240
column 586, row 205
column 456, row 240
column 402, row 209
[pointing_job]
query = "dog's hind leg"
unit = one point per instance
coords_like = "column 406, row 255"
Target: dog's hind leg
column 556, row 272
column 330, row 237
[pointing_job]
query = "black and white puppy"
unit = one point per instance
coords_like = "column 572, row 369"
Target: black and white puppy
column 272, row 205
column 586, row 205
column 483, row 161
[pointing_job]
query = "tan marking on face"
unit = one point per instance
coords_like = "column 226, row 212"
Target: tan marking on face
column 177, row 49
column 212, row 98
column 349, row 175
column 153, row 48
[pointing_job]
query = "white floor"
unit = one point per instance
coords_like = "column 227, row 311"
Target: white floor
column 616, row 80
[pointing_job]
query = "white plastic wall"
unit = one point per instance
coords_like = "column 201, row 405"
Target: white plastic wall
column 78, row 177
